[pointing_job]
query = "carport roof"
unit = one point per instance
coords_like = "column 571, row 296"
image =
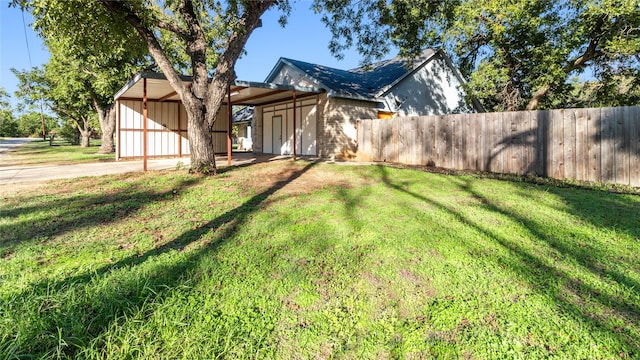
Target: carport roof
column 242, row 92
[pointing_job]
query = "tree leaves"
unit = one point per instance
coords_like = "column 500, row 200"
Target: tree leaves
column 515, row 53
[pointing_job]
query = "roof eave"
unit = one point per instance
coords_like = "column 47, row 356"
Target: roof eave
column 335, row 94
column 146, row 75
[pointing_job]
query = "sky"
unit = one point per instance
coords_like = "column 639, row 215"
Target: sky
column 304, row 38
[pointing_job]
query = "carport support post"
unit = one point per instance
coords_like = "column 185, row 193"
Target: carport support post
column 144, row 122
column 294, row 125
column 229, row 120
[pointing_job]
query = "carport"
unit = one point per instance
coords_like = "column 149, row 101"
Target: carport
column 152, row 122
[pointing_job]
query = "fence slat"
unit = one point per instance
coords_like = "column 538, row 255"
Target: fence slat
column 469, row 140
column 557, row 120
column 494, row 148
column 517, row 124
column 429, row 153
column 569, row 142
column 633, row 114
column 622, row 144
column 608, row 146
column 581, row 154
column 594, row 124
column 482, row 140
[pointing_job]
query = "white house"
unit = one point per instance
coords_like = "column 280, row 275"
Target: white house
column 320, row 105
column 429, row 85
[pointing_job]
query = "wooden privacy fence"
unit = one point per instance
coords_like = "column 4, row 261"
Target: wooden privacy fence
column 597, row 144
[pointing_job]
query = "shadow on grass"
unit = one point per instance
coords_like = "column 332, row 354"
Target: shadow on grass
column 570, row 292
column 50, row 218
column 78, row 322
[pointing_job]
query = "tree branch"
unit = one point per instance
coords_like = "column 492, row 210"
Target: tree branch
column 225, row 73
column 169, row 25
column 590, row 53
column 155, row 49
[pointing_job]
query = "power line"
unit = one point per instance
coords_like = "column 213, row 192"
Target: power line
column 26, row 39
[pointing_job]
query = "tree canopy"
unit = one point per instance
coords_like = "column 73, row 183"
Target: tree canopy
column 516, row 54
column 90, row 60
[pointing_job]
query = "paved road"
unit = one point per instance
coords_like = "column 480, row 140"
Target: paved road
column 9, row 143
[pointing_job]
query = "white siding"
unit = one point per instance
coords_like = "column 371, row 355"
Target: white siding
column 166, row 130
column 433, row 89
column 306, row 119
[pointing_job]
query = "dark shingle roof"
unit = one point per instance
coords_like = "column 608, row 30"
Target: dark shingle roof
column 244, row 114
column 367, row 82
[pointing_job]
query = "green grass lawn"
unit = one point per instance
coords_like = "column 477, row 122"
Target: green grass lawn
column 301, row 260
column 39, row 152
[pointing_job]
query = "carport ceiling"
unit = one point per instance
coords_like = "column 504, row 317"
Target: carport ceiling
column 242, row 92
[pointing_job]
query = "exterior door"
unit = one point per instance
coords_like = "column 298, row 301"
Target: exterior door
column 276, row 131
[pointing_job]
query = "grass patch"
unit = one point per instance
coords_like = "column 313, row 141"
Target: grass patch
column 303, row 260
column 41, row 153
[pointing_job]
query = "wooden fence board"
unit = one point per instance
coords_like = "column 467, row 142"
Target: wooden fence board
column 557, row 144
column 364, row 140
column 530, row 142
column 569, row 142
column 481, row 141
column 429, row 154
column 633, row 113
column 376, row 141
column 518, row 131
column 408, row 141
column 581, row 154
column 490, row 142
column 622, row 144
column 469, row 140
column 404, row 151
column 457, row 136
column 594, row 133
column 608, row 146
column 443, row 141
column 541, row 121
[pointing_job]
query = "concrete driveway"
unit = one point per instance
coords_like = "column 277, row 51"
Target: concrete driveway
column 30, row 173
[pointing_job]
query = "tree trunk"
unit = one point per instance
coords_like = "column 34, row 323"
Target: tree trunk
column 203, row 157
column 85, row 137
column 85, row 133
column 107, row 118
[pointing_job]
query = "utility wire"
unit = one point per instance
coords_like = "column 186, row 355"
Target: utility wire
column 26, row 39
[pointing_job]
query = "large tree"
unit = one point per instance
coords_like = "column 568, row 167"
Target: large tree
column 212, row 36
column 515, row 53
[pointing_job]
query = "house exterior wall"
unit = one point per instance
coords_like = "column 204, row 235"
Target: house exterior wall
column 433, row 89
column 281, row 116
column 337, row 125
column 166, row 130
